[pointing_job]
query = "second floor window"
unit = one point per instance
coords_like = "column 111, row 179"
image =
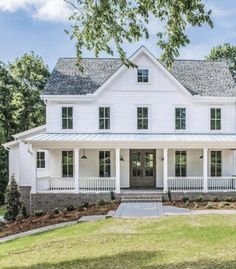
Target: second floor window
column 180, row 118
column 142, row 118
column 67, row 117
column 142, row 75
column 104, row 118
column 180, row 163
column 67, row 163
column 40, row 159
column 216, row 164
column 215, row 119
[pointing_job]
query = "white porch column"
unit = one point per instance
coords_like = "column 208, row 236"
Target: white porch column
column 34, row 170
column 205, row 169
column 117, row 170
column 165, row 169
column 76, row 168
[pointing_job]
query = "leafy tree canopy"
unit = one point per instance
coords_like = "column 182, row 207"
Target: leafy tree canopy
column 226, row 53
column 96, row 24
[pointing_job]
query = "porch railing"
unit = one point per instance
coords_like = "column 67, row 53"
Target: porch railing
column 222, row 183
column 45, row 184
column 185, row 183
column 97, row 184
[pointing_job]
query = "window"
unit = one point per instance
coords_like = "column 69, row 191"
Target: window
column 216, row 163
column 67, row 163
column 142, row 75
column 180, row 118
column 104, row 118
column 67, row 117
column 215, row 118
column 142, row 118
column 40, row 159
column 104, row 163
column 180, row 163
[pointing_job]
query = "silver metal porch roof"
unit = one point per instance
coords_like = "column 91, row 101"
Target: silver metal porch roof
column 142, row 137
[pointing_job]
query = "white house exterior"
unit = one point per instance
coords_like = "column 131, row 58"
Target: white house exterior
column 114, row 128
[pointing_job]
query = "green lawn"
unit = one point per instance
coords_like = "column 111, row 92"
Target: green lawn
column 181, row 242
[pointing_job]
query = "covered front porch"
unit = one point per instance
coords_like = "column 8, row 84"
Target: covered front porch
column 103, row 169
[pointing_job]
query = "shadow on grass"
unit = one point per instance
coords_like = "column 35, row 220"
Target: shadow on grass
column 130, row 260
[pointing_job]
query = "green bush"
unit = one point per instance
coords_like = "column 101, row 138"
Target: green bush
column 229, row 199
column 112, row 195
column 24, row 212
column 169, row 195
column 2, row 223
column 185, row 199
column 70, row 207
column 55, row 211
column 12, row 200
column 100, row 203
column 199, row 199
column 215, row 199
column 38, row 213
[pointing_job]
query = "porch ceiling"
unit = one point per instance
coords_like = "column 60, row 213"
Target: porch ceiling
column 142, row 138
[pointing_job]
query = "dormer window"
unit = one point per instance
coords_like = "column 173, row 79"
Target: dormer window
column 142, row 75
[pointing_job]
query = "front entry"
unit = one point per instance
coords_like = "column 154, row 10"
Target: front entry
column 142, row 168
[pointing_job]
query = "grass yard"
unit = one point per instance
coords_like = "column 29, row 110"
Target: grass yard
column 183, row 242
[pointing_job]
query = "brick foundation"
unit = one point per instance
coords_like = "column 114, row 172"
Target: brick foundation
column 25, row 197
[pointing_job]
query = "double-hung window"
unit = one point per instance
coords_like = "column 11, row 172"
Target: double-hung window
column 143, row 75
column 40, row 159
column 105, row 163
column 142, row 118
column 216, row 163
column 67, row 117
column 104, row 118
column 67, row 163
column 180, row 118
column 180, row 163
column 215, row 118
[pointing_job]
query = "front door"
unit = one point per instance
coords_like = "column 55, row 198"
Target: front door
column 142, row 168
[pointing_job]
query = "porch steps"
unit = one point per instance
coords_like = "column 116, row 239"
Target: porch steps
column 141, row 197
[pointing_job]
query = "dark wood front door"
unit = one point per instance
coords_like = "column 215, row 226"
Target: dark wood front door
column 142, row 168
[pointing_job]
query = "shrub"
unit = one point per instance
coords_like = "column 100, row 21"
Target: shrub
column 12, row 200
column 2, row 223
column 55, row 210
column 209, row 206
column 215, row 199
column 169, row 195
column 24, row 212
column 38, row 213
column 199, row 199
column 228, row 199
column 85, row 204
column 100, row 203
column 112, row 194
column 185, row 199
column 70, row 207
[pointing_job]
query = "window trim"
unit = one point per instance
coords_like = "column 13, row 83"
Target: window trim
column 215, row 119
column 221, row 163
column 104, row 164
column 72, row 118
column 62, row 164
column 148, row 118
column 143, row 68
column 41, row 168
column 186, row 164
column 185, row 119
column 104, row 118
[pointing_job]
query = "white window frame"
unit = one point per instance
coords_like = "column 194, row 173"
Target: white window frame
column 143, row 68
column 40, row 160
column 180, row 118
column 216, row 119
column 110, row 164
column 221, row 164
column 180, row 165
column 148, row 118
column 67, row 118
column 104, row 118
column 67, row 150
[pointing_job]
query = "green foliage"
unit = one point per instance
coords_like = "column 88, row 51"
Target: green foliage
column 55, row 211
column 12, row 200
column 38, row 213
column 226, row 53
column 24, row 212
column 100, row 203
column 185, row 199
column 169, row 195
column 98, row 24
column 70, row 207
column 112, row 195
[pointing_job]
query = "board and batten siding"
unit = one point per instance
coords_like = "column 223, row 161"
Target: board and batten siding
column 161, row 95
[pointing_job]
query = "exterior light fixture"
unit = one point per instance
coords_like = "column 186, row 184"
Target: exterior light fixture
column 84, row 157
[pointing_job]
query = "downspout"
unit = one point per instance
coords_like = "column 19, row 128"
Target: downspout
column 30, row 148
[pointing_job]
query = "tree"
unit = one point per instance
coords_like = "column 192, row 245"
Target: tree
column 225, row 52
column 32, row 75
column 13, row 203
column 96, row 24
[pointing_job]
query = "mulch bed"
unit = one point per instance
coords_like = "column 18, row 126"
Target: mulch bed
column 202, row 205
column 30, row 223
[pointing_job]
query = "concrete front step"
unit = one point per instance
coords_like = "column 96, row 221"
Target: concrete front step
column 145, row 197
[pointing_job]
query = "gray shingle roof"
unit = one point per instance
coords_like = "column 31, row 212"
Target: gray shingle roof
column 206, row 78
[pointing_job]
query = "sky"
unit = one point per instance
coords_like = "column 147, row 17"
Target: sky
column 38, row 25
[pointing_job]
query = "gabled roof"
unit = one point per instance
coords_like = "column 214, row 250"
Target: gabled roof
column 199, row 77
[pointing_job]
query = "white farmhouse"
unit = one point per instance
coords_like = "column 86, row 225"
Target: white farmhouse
column 117, row 129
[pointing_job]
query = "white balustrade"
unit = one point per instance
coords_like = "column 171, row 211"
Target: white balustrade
column 222, row 183
column 46, row 184
column 185, row 183
column 97, row 184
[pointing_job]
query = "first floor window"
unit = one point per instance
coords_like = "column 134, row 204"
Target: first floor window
column 216, row 163
column 105, row 163
column 180, row 118
column 67, row 117
column 104, row 118
column 142, row 75
column 215, row 119
column 142, row 118
column 67, row 163
column 40, row 159
column 180, row 163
